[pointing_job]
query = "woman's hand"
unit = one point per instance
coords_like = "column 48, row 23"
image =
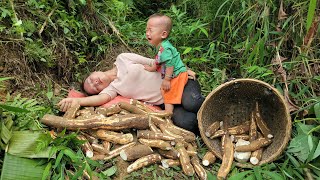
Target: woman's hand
column 165, row 85
column 191, row 74
column 66, row 103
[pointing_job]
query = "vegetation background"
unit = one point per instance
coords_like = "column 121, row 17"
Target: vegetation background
column 48, row 46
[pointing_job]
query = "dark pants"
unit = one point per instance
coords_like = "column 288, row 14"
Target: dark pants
column 185, row 114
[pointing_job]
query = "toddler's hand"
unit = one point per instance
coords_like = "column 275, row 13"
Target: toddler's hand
column 149, row 68
column 66, row 103
column 191, row 74
column 165, row 85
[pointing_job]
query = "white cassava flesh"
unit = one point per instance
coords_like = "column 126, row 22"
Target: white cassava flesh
column 208, row 158
column 242, row 157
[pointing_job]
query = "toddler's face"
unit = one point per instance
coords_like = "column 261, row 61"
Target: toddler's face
column 96, row 82
column 155, row 31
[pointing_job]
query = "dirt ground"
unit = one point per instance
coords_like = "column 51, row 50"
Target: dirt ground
column 29, row 77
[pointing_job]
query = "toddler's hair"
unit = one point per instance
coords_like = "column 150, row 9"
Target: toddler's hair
column 166, row 20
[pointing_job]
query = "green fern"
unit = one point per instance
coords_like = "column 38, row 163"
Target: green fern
column 25, row 112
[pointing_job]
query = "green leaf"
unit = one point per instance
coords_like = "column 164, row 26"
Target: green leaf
column 204, row 31
column 24, row 144
column 94, row 38
column 210, row 176
column 316, row 108
column 46, row 171
column 273, row 175
column 311, row 11
column 186, row 51
column 110, row 171
column 21, row 168
column 257, row 173
column 317, row 151
column 49, row 95
column 239, row 175
column 83, row 2
column 13, row 108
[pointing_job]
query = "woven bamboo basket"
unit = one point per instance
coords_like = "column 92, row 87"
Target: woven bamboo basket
column 232, row 103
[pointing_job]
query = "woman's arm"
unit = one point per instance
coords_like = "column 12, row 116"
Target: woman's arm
column 95, row 100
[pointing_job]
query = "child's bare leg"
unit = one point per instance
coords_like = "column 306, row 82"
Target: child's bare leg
column 169, row 108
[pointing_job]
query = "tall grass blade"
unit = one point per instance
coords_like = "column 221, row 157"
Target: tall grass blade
column 311, row 11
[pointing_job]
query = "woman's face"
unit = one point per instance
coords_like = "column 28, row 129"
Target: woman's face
column 96, row 82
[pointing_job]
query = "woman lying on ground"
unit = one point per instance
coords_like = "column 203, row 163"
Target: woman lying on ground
column 129, row 79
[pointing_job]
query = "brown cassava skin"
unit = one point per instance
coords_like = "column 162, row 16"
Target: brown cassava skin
column 108, row 111
column 241, row 136
column 166, row 163
column 90, row 138
column 153, row 127
column 157, row 143
column 116, row 152
column 106, row 145
column 131, row 108
column 227, row 158
column 99, row 148
column 135, row 152
column 136, row 110
column 170, row 154
column 187, row 135
column 85, row 113
column 147, row 134
column 218, row 133
column 191, row 150
column 166, row 131
column 86, row 147
column 140, row 105
column 253, row 134
column 212, row 129
column 254, row 145
column 209, row 157
column 184, row 160
column 114, row 137
column 98, row 121
column 144, row 161
column 200, row 171
column 240, row 129
column 97, row 157
column 71, row 112
column 262, row 125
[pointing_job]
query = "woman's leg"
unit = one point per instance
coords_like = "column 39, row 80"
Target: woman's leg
column 191, row 97
column 185, row 119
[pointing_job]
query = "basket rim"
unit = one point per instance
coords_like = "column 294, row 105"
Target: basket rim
column 288, row 126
